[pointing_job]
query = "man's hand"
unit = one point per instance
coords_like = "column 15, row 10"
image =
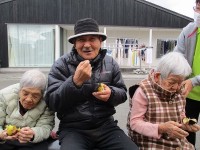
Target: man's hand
column 83, row 72
column 103, row 95
column 25, row 134
column 187, row 87
column 173, row 130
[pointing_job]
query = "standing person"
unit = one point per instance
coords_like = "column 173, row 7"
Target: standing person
column 22, row 106
column 86, row 114
column 158, row 108
column 188, row 43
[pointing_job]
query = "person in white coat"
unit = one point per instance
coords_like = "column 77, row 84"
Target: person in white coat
column 22, row 106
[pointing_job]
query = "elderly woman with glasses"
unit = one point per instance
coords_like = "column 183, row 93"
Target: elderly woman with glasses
column 25, row 120
column 158, row 107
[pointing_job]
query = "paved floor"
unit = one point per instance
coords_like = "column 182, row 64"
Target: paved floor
column 10, row 77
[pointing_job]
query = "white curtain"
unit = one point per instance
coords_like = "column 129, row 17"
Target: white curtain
column 31, row 45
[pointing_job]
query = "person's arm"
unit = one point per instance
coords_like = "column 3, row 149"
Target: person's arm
column 188, row 35
column 2, row 118
column 43, row 126
column 189, row 84
column 180, row 47
column 6, row 95
column 186, row 41
column 138, row 110
column 195, row 81
column 62, row 92
column 118, row 88
column 2, row 112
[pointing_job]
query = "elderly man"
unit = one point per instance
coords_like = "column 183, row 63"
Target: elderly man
column 86, row 113
column 158, row 107
column 25, row 120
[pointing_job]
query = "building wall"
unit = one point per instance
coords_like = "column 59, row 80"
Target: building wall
column 3, row 46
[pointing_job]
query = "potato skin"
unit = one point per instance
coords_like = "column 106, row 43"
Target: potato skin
column 189, row 121
column 11, row 130
column 100, row 87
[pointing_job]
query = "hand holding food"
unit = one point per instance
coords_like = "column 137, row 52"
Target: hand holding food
column 190, row 125
column 11, row 130
column 83, row 72
column 10, row 133
column 189, row 121
column 100, row 87
column 172, row 130
column 102, row 92
column 25, row 135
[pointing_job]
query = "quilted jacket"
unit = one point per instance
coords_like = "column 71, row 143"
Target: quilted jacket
column 39, row 119
column 77, row 107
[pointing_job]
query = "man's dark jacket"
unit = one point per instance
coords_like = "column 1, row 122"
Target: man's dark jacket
column 76, row 107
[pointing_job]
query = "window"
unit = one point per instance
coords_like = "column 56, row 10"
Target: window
column 165, row 46
column 31, row 45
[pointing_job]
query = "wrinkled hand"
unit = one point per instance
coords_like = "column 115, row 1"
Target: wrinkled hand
column 173, row 129
column 83, row 72
column 103, row 95
column 25, row 134
column 4, row 136
column 187, row 87
column 191, row 128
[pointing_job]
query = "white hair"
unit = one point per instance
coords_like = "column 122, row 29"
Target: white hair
column 33, row 78
column 173, row 63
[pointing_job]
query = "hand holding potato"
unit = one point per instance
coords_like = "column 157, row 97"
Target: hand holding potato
column 172, row 129
column 190, row 125
column 4, row 136
column 103, row 93
column 11, row 130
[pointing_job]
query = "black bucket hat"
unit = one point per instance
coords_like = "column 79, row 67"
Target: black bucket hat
column 86, row 26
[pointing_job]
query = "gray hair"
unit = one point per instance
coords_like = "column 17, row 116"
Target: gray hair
column 33, row 78
column 173, row 63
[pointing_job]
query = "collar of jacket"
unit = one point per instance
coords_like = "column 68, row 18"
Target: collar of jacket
column 158, row 89
column 193, row 32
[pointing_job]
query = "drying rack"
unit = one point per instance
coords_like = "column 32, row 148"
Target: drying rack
column 141, row 70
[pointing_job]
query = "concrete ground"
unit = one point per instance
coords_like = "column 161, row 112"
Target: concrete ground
column 10, row 76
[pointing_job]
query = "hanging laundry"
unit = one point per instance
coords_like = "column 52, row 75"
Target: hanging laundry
column 164, row 46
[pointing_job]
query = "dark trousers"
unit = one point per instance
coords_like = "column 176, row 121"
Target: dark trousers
column 106, row 137
column 15, row 145
column 192, row 111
